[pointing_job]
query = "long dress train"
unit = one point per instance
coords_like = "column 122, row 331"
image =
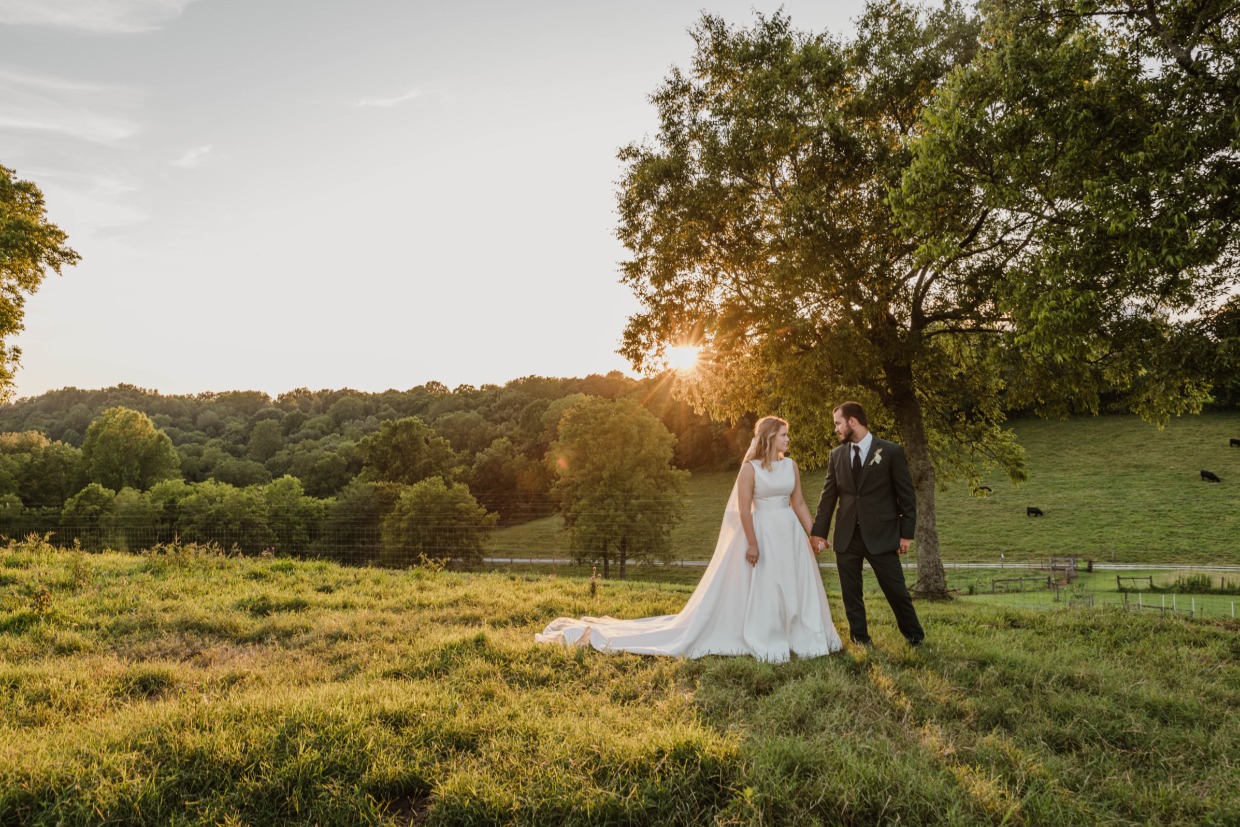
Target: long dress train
column 770, row 610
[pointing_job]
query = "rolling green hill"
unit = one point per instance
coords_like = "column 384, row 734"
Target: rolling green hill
column 1113, row 489
column 186, row 687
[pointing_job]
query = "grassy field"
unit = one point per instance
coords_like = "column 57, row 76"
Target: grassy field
column 1112, row 488
column 190, row 688
column 1099, row 589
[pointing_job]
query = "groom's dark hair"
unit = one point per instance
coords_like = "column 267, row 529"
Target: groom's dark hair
column 853, row 410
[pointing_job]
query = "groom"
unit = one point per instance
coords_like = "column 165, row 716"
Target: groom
column 869, row 479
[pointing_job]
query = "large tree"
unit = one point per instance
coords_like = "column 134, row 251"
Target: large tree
column 436, row 520
column 123, row 448
column 759, row 226
column 30, row 245
column 615, row 485
column 912, row 218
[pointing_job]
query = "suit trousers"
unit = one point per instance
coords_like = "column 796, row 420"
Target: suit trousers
column 890, row 575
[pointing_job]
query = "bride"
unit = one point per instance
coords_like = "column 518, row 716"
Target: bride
column 762, row 593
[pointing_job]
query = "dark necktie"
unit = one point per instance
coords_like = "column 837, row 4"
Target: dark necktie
column 857, row 464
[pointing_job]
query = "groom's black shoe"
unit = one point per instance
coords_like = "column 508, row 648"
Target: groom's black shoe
column 863, row 641
column 915, row 641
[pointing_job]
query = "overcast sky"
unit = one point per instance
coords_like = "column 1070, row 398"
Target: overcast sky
column 271, row 194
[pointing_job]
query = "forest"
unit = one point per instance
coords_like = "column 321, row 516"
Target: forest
column 319, row 473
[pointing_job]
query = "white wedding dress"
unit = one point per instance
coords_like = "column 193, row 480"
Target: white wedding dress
column 770, row 610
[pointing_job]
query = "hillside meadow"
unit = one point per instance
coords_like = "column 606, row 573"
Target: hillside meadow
column 1112, row 489
column 183, row 686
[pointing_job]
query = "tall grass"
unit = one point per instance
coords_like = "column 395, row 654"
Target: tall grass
column 189, row 687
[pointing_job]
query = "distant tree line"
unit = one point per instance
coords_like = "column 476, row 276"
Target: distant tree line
column 363, row 477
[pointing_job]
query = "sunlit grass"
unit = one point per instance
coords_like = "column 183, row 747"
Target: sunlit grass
column 195, row 688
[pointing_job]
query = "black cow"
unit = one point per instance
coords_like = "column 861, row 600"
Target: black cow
column 985, row 488
column 1235, row 443
column 1033, row 511
column 1209, row 476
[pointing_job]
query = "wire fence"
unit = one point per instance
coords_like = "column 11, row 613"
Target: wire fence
column 364, row 539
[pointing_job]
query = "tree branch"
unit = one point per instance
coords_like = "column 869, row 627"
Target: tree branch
column 943, row 331
column 1183, row 56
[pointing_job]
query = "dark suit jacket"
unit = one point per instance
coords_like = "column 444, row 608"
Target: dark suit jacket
column 884, row 503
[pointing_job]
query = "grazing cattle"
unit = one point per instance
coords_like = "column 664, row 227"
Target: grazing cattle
column 1033, row 511
column 1235, row 443
column 985, row 488
column 1209, row 476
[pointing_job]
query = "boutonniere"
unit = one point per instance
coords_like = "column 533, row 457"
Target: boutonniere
column 878, row 457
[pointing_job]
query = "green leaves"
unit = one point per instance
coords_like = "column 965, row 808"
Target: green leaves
column 406, row 451
column 438, row 520
column 615, row 484
column 1066, row 154
column 123, row 448
column 30, row 245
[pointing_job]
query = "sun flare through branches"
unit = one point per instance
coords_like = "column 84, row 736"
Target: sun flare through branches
column 683, row 358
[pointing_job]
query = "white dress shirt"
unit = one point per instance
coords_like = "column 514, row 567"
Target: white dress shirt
column 864, row 445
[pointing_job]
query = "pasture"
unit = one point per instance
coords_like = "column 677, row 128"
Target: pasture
column 183, row 686
column 1112, row 488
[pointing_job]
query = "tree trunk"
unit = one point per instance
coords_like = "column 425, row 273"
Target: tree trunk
column 606, row 565
column 623, row 555
column 931, row 579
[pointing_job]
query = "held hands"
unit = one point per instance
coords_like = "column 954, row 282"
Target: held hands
column 819, row 544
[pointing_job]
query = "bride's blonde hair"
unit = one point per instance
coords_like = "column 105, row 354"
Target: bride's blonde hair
column 763, row 446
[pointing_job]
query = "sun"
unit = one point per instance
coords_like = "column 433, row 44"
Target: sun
column 683, row 358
